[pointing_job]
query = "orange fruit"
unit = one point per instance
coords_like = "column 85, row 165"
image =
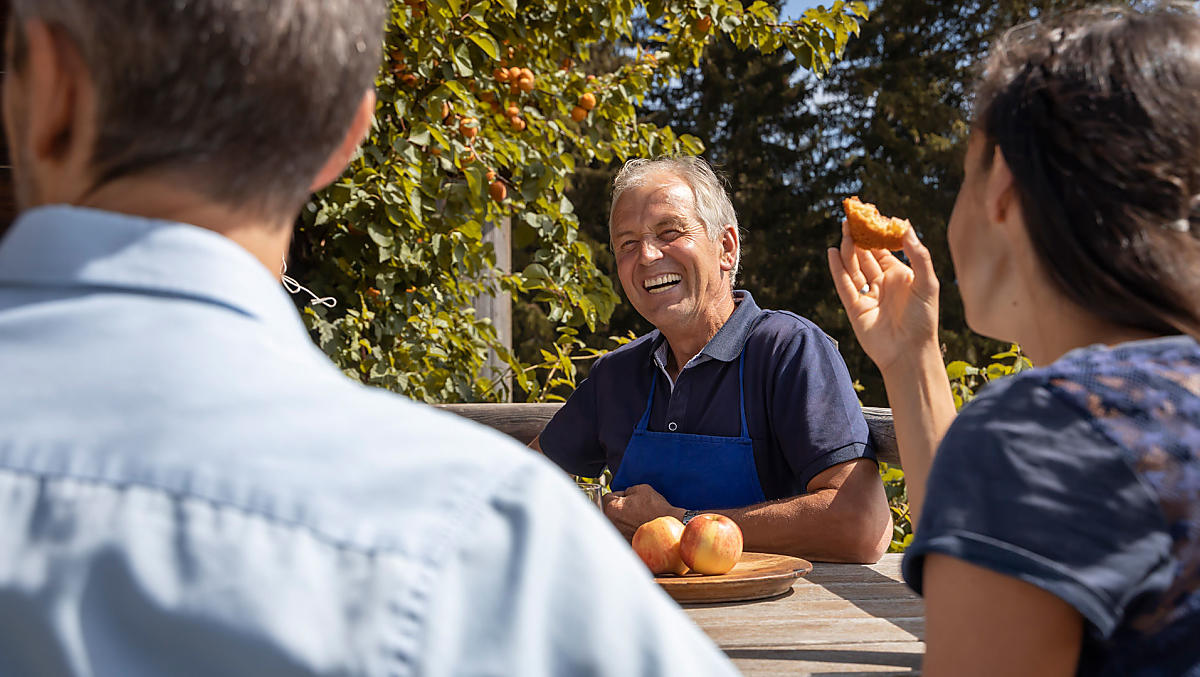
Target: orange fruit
column 587, row 101
column 469, row 127
column 491, row 176
column 445, row 110
column 409, row 80
column 704, row 24
column 513, row 111
column 517, row 124
column 526, row 85
column 579, row 114
column 501, row 74
column 526, row 73
column 498, row 191
column 514, row 73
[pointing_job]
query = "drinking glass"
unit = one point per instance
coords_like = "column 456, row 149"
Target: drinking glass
column 593, row 491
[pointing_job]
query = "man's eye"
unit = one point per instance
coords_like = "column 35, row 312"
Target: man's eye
column 670, row 234
column 628, row 245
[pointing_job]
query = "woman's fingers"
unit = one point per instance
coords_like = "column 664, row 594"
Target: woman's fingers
column 849, row 258
column 842, row 281
column 925, row 280
column 872, row 272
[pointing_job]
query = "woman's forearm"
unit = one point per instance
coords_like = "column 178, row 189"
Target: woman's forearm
column 922, row 410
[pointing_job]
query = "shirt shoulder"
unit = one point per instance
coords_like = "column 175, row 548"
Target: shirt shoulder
column 1027, row 484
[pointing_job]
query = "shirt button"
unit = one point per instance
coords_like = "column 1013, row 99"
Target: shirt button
column 672, row 426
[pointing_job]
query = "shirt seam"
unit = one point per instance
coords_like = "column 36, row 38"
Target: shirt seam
column 962, row 544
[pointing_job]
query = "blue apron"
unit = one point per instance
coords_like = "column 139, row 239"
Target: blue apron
column 693, row 472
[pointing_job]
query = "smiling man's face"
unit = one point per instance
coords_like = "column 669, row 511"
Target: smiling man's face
column 673, row 274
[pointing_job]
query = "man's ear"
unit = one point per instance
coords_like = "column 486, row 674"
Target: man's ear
column 336, row 163
column 730, row 243
column 1000, row 192
column 56, row 89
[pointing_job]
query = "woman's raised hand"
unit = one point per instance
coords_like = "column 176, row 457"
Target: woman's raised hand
column 892, row 307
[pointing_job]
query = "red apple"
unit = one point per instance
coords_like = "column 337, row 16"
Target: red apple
column 711, row 544
column 657, row 543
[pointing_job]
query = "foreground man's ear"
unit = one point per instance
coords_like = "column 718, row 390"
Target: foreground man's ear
column 58, row 112
column 340, row 157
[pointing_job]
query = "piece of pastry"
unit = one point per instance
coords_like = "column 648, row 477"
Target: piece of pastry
column 871, row 230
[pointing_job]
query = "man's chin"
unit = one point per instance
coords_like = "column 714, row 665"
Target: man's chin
column 662, row 312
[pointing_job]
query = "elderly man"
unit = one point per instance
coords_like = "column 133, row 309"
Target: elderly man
column 189, row 487
column 725, row 407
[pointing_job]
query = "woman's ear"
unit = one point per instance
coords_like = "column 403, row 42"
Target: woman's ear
column 1000, row 194
column 340, row 157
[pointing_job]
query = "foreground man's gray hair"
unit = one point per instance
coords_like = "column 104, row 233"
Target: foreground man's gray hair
column 247, row 98
column 711, row 200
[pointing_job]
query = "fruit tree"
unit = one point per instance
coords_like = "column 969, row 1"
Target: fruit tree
column 486, row 108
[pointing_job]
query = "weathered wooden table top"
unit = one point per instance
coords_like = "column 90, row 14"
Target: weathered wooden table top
column 840, row 619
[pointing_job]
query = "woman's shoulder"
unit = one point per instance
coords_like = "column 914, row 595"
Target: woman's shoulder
column 1126, row 391
column 1080, row 477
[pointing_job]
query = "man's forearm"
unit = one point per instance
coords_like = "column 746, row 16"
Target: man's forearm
column 850, row 522
column 922, row 410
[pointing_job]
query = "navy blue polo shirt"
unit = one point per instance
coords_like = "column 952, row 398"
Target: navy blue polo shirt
column 801, row 409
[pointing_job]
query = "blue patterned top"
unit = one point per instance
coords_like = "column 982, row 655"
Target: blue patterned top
column 1083, row 478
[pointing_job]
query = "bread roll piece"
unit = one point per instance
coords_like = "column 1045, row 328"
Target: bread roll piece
column 871, row 230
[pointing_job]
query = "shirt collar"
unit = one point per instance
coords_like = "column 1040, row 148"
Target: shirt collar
column 65, row 246
column 729, row 340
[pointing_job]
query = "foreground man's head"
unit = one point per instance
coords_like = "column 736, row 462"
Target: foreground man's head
column 245, row 105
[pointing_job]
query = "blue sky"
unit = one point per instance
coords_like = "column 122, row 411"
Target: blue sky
column 794, row 8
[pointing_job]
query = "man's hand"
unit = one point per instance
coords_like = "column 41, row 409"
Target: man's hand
column 633, row 507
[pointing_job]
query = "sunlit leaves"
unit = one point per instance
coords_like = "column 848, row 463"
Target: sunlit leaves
column 400, row 239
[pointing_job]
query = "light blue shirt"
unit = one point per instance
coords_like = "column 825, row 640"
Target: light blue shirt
column 189, row 487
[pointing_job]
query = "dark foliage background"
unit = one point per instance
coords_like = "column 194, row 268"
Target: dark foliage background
column 889, row 123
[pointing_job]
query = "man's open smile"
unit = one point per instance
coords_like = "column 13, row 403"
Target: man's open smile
column 657, row 285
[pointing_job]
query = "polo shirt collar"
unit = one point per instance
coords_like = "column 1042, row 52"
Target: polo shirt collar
column 729, row 340
column 74, row 247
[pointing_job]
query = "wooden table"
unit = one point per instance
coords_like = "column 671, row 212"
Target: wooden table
column 840, row 619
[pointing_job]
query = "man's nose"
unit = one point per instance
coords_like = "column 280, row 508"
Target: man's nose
column 650, row 250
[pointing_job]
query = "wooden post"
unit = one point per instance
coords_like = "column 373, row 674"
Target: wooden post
column 498, row 307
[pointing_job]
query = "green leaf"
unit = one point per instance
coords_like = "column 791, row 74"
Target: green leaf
column 487, row 43
column 957, row 369
column 379, row 235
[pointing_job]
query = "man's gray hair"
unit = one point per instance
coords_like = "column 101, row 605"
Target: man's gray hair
column 247, row 98
column 709, row 194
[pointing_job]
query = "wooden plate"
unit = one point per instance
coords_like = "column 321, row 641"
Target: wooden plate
column 756, row 576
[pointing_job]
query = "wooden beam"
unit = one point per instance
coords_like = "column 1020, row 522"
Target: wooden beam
column 523, row 422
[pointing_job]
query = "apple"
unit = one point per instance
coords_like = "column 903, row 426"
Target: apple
column 657, row 543
column 711, row 544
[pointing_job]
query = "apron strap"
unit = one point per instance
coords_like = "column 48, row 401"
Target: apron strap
column 742, row 392
column 642, row 424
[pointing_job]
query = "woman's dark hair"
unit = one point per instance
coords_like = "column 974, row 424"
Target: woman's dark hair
column 1097, row 114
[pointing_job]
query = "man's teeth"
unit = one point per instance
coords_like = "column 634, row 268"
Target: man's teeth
column 662, row 283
